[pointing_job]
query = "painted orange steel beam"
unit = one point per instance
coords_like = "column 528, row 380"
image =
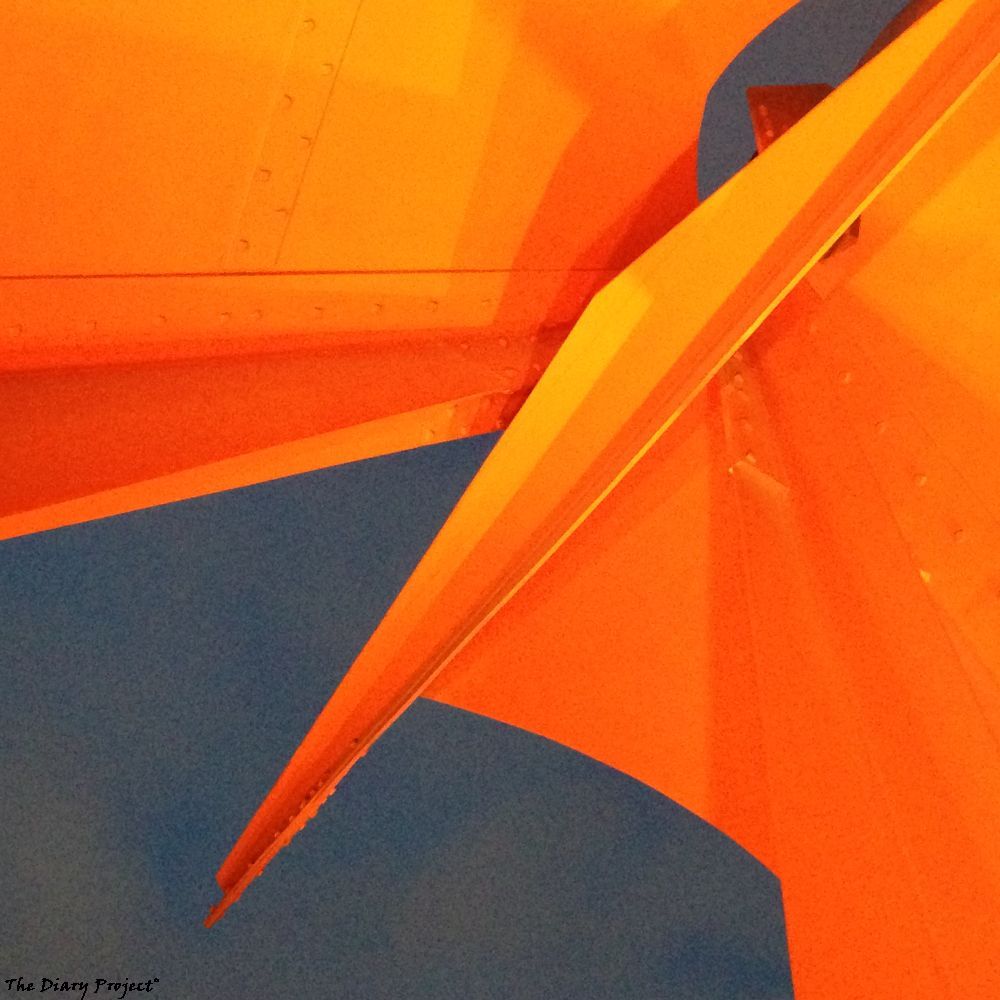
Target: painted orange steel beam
column 804, row 652
column 231, row 283
column 644, row 349
column 90, row 321
column 448, row 421
column 187, row 380
column 374, row 136
column 863, row 690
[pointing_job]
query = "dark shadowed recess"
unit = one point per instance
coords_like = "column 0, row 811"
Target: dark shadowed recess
column 817, row 41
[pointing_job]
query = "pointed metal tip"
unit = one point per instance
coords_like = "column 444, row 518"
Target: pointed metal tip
column 216, row 912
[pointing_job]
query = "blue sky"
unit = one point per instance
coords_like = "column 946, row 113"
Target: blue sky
column 159, row 668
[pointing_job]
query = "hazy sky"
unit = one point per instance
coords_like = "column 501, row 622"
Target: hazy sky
column 159, row 668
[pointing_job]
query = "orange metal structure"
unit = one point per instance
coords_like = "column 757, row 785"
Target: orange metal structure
column 741, row 538
column 246, row 227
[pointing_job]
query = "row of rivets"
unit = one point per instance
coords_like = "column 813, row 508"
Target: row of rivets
column 745, row 419
column 931, row 501
column 299, row 107
column 315, row 312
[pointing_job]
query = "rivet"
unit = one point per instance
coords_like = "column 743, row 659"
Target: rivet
column 751, row 457
column 503, row 341
column 326, row 69
column 282, row 211
column 244, row 244
column 305, row 141
column 308, row 25
column 747, row 427
column 920, row 479
column 881, row 427
column 378, row 307
column 161, row 320
column 90, row 326
column 925, row 576
column 535, row 366
column 433, row 305
column 287, row 101
column 317, row 311
column 958, row 535
column 256, row 314
column 738, row 381
column 429, row 434
column 225, row 317
column 846, row 378
column 15, row 329
column 263, row 174
column 464, row 345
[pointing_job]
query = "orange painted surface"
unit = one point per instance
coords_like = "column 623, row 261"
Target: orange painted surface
column 73, row 432
column 245, row 225
column 854, row 617
column 757, row 574
column 742, row 622
column 375, row 136
column 478, row 414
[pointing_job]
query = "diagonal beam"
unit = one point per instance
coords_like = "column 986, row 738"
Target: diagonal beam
column 121, row 392
column 643, row 349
